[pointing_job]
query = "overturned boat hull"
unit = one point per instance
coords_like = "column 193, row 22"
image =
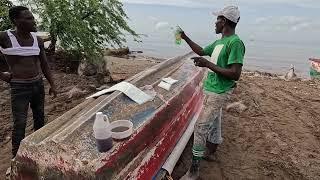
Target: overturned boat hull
column 66, row 149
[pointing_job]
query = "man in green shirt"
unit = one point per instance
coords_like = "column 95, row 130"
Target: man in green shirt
column 224, row 69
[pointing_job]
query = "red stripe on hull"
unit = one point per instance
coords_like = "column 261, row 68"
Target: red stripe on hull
column 169, row 122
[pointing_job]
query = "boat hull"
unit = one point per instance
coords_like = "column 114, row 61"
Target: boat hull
column 66, row 149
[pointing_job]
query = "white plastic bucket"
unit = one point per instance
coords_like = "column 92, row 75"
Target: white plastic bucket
column 121, row 129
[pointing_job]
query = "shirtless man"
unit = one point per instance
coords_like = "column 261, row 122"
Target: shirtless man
column 25, row 56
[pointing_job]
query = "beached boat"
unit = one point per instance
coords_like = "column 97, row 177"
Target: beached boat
column 66, row 148
column 315, row 68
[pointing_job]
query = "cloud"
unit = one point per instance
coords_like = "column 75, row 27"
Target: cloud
column 152, row 18
column 289, row 20
column 261, row 20
column 286, row 23
column 301, row 26
column 161, row 25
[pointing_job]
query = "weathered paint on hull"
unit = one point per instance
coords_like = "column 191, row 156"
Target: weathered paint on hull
column 71, row 154
column 174, row 119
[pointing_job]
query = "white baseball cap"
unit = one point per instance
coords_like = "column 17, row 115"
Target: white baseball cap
column 230, row 12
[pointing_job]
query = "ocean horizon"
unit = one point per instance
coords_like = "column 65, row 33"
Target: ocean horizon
column 266, row 51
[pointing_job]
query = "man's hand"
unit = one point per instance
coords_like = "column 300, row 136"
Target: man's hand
column 53, row 91
column 200, row 61
column 183, row 35
column 6, row 76
column 195, row 47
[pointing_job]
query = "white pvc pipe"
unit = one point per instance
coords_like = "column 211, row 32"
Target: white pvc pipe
column 178, row 149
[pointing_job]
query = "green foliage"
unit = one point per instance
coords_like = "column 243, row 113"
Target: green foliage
column 87, row 26
column 5, row 23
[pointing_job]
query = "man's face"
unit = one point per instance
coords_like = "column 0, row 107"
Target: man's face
column 26, row 21
column 220, row 23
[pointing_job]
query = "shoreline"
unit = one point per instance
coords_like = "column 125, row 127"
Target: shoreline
column 250, row 64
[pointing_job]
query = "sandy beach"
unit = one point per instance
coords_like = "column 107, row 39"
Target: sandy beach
column 276, row 137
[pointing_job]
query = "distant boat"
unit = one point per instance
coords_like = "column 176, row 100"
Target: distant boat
column 315, row 68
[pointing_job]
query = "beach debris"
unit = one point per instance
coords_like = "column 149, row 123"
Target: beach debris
column 290, row 75
column 237, row 106
column 102, row 87
column 138, row 52
column 129, row 90
column 117, row 52
column 90, row 69
column 8, row 173
column 76, row 92
column 253, row 74
column 148, row 89
column 87, row 69
column 166, row 83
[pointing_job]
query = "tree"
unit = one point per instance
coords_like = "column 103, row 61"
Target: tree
column 5, row 23
column 87, row 26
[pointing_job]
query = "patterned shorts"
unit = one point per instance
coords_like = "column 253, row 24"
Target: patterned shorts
column 208, row 126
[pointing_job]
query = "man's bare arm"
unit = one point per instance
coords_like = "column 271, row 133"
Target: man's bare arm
column 194, row 46
column 233, row 72
column 4, row 76
column 45, row 68
column 2, row 39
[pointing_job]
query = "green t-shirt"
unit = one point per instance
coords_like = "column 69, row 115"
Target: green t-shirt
column 223, row 52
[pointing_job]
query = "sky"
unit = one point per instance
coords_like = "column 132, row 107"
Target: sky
column 286, row 17
column 204, row 3
column 282, row 19
column 276, row 32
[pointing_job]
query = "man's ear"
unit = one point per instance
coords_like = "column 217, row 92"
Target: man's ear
column 224, row 21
